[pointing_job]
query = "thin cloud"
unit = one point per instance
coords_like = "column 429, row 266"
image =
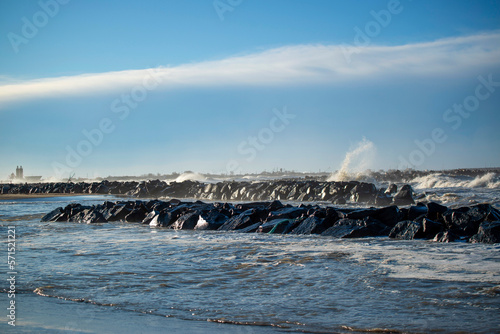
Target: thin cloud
column 300, row 64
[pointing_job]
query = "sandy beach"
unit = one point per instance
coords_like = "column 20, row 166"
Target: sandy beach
column 24, row 196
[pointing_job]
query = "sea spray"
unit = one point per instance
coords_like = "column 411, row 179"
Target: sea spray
column 191, row 176
column 356, row 162
column 442, row 180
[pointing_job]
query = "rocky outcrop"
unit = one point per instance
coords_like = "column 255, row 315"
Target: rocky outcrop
column 477, row 223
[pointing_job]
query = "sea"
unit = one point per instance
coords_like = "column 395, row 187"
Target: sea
column 255, row 282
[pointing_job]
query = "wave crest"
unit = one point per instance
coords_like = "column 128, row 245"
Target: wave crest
column 439, row 180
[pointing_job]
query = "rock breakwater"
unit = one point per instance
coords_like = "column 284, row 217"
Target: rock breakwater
column 292, row 190
column 478, row 223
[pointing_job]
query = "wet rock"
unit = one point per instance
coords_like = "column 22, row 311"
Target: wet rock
column 356, row 228
column 186, row 222
column 343, row 227
column 149, row 217
column 275, row 205
column 431, row 228
column 162, row 219
column 279, row 226
column 212, row 220
column 88, row 216
column 311, row 225
column 417, row 211
column 339, row 200
column 407, row 230
column 359, row 214
column 446, row 236
column 478, row 223
column 465, row 221
column 250, row 229
column 364, row 193
column 389, row 216
column 435, row 210
column 117, row 213
column 53, row 215
column 488, row 233
column 404, row 196
column 383, row 199
column 101, row 189
column 392, row 189
column 288, row 212
column 245, row 219
column 137, row 215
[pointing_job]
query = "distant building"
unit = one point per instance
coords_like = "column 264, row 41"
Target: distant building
column 19, row 176
column 19, row 173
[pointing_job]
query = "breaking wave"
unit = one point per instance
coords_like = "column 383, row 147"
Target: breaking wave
column 356, row 163
column 439, row 180
column 191, row 177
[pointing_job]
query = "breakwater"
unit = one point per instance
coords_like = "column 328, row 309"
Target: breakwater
column 292, row 190
column 478, row 223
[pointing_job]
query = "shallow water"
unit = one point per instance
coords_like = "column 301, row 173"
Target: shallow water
column 293, row 283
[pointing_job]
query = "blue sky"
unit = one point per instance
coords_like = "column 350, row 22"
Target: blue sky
column 132, row 87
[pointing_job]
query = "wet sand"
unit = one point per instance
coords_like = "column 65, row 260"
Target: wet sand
column 37, row 314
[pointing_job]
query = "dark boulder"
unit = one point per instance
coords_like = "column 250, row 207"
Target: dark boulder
column 210, row 220
column 275, row 205
column 488, row 233
column 245, row 219
column 364, row 193
column 383, row 199
column 88, row 216
column 407, row 230
column 339, row 200
column 118, row 213
column 281, row 226
column 53, row 215
column 417, row 211
column 356, row 228
column 447, row 236
column 137, row 215
column 435, row 210
column 310, row 225
column 101, row 189
column 392, row 189
column 149, row 217
column 360, row 214
column 431, row 228
column 404, row 196
column 389, row 216
column 162, row 219
column 273, row 225
column 186, row 222
column 343, row 227
column 250, row 229
column 465, row 221
column 286, row 212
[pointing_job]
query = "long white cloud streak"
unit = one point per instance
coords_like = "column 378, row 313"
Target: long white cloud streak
column 301, row 64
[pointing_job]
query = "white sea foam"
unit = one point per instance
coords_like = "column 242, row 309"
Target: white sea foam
column 191, row 177
column 439, row 180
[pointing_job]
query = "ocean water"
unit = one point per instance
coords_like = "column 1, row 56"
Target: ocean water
column 286, row 283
